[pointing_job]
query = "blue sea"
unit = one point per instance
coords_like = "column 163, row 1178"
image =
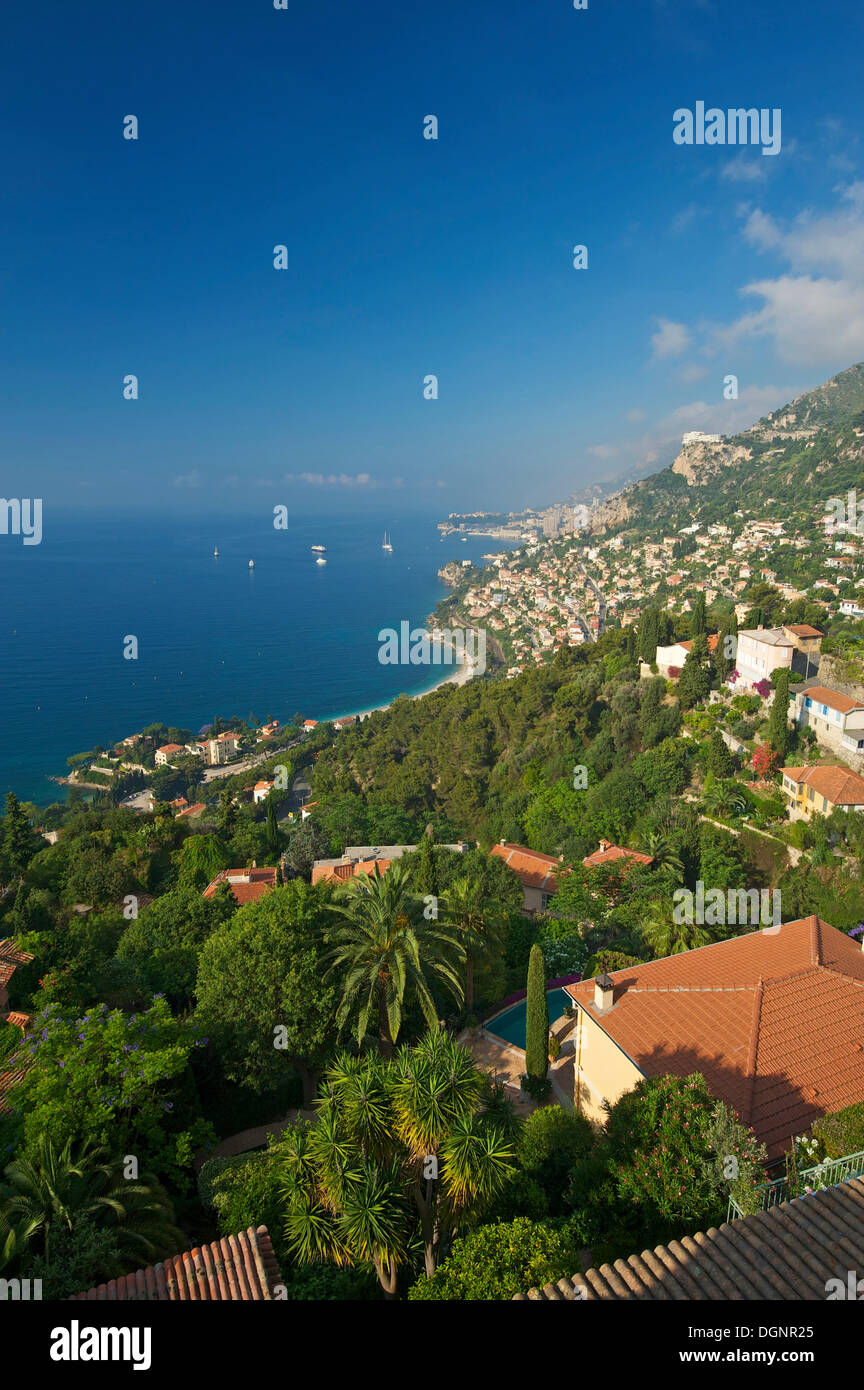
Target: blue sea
column 214, row 636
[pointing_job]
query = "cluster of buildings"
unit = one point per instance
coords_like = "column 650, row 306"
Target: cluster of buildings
column 563, row 589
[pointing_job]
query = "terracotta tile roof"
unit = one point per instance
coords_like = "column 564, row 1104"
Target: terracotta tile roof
column 832, row 698
column 787, row 1253
column 12, row 954
column 804, row 630
column 247, row 885
column 774, row 1020
column 194, row 810
column 535, row 870
column 348, row 869
column 607, row 854
column 712, row 643
column 236, row 1268
column 170, row 748
column 840, row 786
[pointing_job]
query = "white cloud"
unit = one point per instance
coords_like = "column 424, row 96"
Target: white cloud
column 814, row 313
column 602, row 451
column 191, row 479
column 721, row 416
column 693, row 372
column 670, row 340
column 331, row 479
column 745, row 168
column 683, row 219
column 810, row 321
column 635, row 415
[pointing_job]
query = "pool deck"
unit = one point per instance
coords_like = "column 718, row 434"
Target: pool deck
column 505, row 1063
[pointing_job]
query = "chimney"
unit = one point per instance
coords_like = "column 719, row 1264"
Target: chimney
column 603, row 993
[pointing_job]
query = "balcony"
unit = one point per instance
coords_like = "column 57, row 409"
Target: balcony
column 831, row 1173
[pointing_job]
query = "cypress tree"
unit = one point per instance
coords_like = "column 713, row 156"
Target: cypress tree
column 720, row 760
column 18, row 838
column 648, row 632
column 274, row 837
column 778, row 720
column 697, row 618
column 537, row 1018
column 425, row 872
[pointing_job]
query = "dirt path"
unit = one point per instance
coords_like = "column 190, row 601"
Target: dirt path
column 246, row 1139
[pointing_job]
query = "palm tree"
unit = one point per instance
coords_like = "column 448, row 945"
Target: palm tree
column 666, row 937
column 479, row 921
column 664, row 853
column 723, row 798
column 53, row 1190
column 388, row 948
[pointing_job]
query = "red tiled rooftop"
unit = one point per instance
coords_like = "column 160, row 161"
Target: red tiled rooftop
column 247, row 885
column 535, row 870
column 840, row 786
column 832, row 698
column 350, row 868
column 607, row 854
column 774, row 1020
column 234, row 1269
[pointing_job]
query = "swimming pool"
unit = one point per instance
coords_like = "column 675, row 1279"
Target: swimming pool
column 510, row 1025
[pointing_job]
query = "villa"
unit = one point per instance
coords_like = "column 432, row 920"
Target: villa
column 837, row 720
column 763, row 650
column 537, row 873
column 608, row 853
column 222, row 748
column 821, row 789
column 365, row 859
column 164, row 754
column 774, row 1020
column 247, row 885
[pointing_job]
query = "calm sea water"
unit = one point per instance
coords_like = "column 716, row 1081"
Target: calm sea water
column 214, row 636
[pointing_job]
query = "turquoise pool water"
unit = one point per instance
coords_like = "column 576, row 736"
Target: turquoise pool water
column 511, row 1024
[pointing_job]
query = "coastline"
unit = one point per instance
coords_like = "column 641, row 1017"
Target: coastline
column 460, row 676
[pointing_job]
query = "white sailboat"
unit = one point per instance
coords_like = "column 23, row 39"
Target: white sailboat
column 216, row 552
column 386, row 545
column 251, row 564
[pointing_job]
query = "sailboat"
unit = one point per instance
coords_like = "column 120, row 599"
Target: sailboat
column 216, row 552
column 251, row 564
column 386, row 545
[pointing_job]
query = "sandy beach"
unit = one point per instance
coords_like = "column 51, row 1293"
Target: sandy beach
column 460, row 676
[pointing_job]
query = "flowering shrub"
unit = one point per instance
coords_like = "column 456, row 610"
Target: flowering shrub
column 763, row 760
column 107, row 1076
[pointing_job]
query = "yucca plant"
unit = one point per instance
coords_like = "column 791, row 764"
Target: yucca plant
column 404, row 1151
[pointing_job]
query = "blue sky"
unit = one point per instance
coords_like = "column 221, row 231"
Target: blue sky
column 407, row 257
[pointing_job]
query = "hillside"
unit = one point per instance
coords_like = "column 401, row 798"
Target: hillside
column 791, row 459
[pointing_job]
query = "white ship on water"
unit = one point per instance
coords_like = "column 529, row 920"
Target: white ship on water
column 386, row 545
column 317, row 547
